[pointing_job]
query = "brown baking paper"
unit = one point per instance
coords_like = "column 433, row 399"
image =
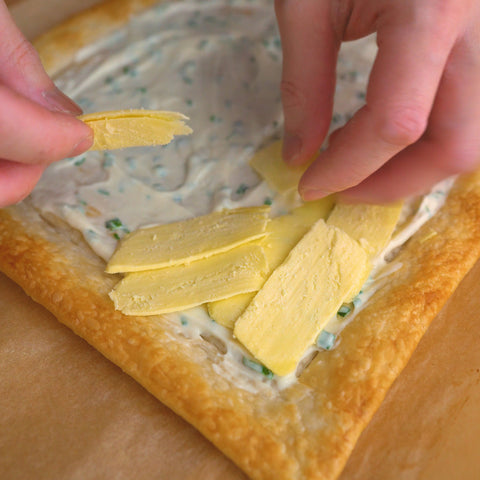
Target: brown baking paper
column 68, row 413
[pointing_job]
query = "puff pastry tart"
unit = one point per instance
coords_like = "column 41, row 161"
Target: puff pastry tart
column 275, row 413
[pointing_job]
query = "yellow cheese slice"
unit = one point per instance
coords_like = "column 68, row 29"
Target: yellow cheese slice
column 134, row 128
column 226, row 311
column 189, row 240
column 371, row 225
column 310, row 212
column 269, row 164
column 323, row 270
column 283, row 233
column 180, row 287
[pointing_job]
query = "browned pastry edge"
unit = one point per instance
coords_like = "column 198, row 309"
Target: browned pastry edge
column 58, row 45
column 305, row 431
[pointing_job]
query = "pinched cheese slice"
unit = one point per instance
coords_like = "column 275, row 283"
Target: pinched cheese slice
column 371, row 225
column 283, row 233
column 172, row 289
column 310, row 212
column 134, row 128
column 324, row 269
column 269, row 164
column 189, row 240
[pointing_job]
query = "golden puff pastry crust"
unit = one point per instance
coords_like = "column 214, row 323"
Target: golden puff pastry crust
column 305, row 431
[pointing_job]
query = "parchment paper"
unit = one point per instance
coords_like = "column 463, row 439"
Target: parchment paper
column 68, row 413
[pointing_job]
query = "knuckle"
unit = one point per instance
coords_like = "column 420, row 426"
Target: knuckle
column 21, row 53
column 292, row 96
column 403, row 126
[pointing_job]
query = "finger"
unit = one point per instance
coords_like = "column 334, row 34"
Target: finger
column 308, row 79
column 451, row 144
column 17, row 181
column 32, row 134
column 22, row 70
column 397, row 109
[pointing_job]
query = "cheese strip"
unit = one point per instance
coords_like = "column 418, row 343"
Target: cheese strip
column 310, row 212
column 371, row 225
column 283, row 233
column 180, row 287
column 189, row 240
column 323, row 270
column 269, row 164
column 134, row 128
column 226, row 311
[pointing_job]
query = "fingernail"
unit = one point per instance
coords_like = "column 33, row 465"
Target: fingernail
column 308, row 194
column 58, row 102
column 82, row 146
column 292, row 147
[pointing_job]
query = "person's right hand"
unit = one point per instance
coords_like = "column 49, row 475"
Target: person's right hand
column 37, row 121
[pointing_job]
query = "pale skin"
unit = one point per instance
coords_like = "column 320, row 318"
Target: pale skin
column 420, row 124
column 37, row 121
column 421, row 121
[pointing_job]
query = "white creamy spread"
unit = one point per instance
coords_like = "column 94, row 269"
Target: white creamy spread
column 218, row 62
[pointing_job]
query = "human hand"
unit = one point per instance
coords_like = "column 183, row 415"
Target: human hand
column 421, row 120
column 37, row 121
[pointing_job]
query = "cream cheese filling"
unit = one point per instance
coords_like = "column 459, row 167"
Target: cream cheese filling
column 218, row 62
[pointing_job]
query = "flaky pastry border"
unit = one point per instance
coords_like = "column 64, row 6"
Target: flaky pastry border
column 306, row 431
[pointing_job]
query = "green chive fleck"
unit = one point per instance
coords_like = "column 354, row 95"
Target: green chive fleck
column 326, row 340
column 242, row 189
column 344, row 310
column 113, row 224
column 258, row 367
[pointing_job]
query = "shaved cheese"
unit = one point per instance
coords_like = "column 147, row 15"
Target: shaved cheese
column 283, row 233
column 269, row 164
column 180, row 287
column 286, row 316
column 133, row 128
column 371, row 225
column 189, row 240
